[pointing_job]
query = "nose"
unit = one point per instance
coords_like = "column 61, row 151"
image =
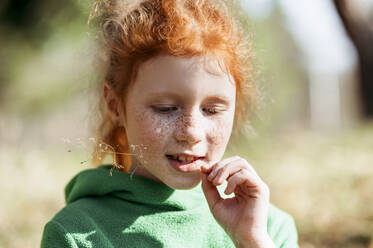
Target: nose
column 190, row 128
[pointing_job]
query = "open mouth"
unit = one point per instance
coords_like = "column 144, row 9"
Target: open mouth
column 183, row 159
column 185, row 162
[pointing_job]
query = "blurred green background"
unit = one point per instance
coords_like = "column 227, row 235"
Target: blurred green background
column 319, row 169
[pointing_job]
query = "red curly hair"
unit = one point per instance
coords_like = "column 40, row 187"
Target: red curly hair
column 133, row 32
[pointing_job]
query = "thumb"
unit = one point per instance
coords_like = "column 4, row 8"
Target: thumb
column 210, row 191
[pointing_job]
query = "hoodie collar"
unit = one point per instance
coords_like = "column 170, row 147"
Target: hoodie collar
column 106, row 180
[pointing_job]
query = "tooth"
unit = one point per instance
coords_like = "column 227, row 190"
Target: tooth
column 182, row 158
column 189, row 159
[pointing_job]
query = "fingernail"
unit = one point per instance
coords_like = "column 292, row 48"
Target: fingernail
column 216, row 181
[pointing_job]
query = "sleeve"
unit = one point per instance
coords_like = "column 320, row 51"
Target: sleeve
column 54, row 235
column 289, row 233
column 282, row 229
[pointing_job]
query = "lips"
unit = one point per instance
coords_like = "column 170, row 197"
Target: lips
column 186, row 162
column 184, row 158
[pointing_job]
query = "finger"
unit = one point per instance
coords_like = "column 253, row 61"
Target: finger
column 201, row 165
column 219, row 165
column 251, row 169
column 210, row 191
column 252, row 185
column 228, row 170
column 206, row 168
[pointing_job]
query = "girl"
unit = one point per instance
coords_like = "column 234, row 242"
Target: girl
column 176, row 82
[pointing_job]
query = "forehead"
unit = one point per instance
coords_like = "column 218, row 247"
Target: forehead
column 195, row 76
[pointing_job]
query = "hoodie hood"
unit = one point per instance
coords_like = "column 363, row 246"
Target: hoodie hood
column 107, row 180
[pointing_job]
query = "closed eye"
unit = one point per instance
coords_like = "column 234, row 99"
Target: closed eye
column 164, row 109
column 212, row 110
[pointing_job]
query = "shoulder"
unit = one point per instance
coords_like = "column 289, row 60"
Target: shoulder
column 73, row 219
column 282, row 228
column 57, row 232
column 80, row 213
column 55, row 235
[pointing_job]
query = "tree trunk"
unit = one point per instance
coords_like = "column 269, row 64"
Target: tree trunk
column 360, row 31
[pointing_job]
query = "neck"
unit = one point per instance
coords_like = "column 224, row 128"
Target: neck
column 139, row 170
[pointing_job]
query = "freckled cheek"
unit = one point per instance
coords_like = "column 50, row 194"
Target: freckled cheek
column 219, row 135
column 152, row 130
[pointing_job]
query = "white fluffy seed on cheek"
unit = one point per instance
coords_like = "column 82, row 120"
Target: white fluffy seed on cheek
column 153, row 132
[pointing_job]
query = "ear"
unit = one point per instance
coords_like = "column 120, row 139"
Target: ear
column 112, row 103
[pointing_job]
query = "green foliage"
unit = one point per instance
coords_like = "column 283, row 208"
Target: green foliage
column 40, row 41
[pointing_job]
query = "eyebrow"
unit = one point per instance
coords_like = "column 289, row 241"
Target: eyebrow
column 165, row 94
column 218, row 98
column 213, row 98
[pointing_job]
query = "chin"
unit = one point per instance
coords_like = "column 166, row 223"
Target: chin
column 184, row 183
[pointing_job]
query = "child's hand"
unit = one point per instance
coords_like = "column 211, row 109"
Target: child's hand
column 243, row 217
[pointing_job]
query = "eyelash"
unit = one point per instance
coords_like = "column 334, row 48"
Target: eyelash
column 210, row 111
column 160, row 109
column 214, row 111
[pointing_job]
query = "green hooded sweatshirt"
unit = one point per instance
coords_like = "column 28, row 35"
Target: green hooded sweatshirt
column 109, row 208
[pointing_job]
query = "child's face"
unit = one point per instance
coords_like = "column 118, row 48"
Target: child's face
column 176, row 107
